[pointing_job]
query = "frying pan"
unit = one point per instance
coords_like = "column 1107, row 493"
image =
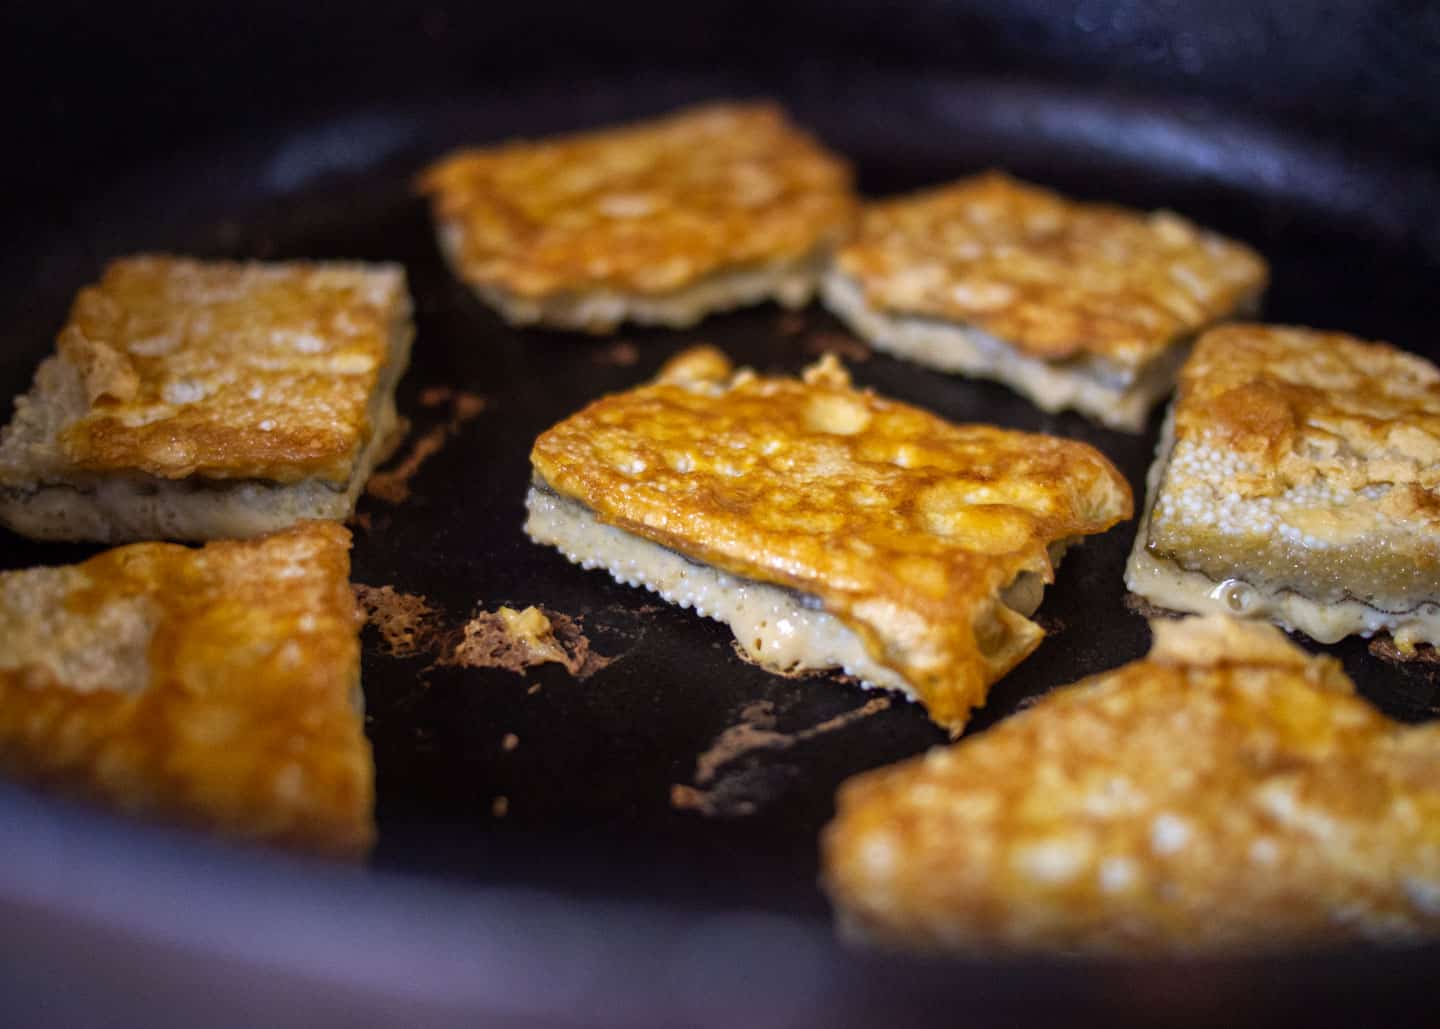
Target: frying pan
column 587, row 896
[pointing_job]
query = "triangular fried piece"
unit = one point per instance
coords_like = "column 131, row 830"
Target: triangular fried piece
column 216, row 687
column 1228, row 792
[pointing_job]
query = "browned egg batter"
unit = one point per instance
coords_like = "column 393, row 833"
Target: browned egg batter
column 649, row 208
column 895, row 526
column 1051, row 277
column 216, row 687
column 208, row 400
column 1300, row 481
column 228, row 370
column 1227, row 793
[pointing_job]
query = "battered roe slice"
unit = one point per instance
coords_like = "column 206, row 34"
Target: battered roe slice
column 1073, row 305
column 217, row 688
column 662, row 221
column 1298, row 480
column 200, row 400
column 828, row 526
column 1227, row 793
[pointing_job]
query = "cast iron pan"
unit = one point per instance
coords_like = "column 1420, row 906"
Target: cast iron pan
column 587, row 895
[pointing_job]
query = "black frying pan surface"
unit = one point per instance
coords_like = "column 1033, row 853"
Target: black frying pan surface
column 587, row 810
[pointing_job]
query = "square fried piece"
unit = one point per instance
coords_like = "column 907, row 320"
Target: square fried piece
column 828, row 526
column 1298, row 480
column 661, row 222
column 1226, row 793
column 199, row 400
column 1073, row 305
column 217, row 688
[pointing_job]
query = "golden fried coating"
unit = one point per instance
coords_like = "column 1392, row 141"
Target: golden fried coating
column 216, row 687
column 648, row 209
column 904, row 527
column 1304, row 463
column 1227, row 793
column 1308, row 408
column 172, row 367
column 1053, row 278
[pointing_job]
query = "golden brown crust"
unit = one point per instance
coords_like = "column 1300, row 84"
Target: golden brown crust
column 1307, row 407
column 236, row 712
column 903, row 526
column 1308, row 460
column 650, row 208
column 1227, row 793
column 1054, row 278
column 229, row 370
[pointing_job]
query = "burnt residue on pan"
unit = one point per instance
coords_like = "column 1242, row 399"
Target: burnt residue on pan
column 1138, row 605
column 517, row 640
column 843, row 345
column 620, row 353
column 393, row 484
column 1383, row 647
column 407, row 622
column 790, row 323
column 514, row 640
column 717, row 795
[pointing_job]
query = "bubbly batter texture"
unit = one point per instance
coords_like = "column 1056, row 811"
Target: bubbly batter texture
column 216, row 687
column 1299, row 481
column 1083, row 306
column 658, row 221
column 903, row 527
column 1227, row 793
column 198, row 399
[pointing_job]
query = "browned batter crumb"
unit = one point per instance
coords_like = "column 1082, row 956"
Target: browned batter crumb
column 686, row 798
column 407, row 622
column 716, row 803
column 514, row 640
column 1052, row 625
column 1383, row 647
column 839, row 344
column 393, row 485
column 509, row 742
column 517, row 640
column 1138, row 605
column 465, row 407
column 872, row 706
column 791, row 323
column 622, row 354
column 583, row 662
column 500, row 806
column 754, row 731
